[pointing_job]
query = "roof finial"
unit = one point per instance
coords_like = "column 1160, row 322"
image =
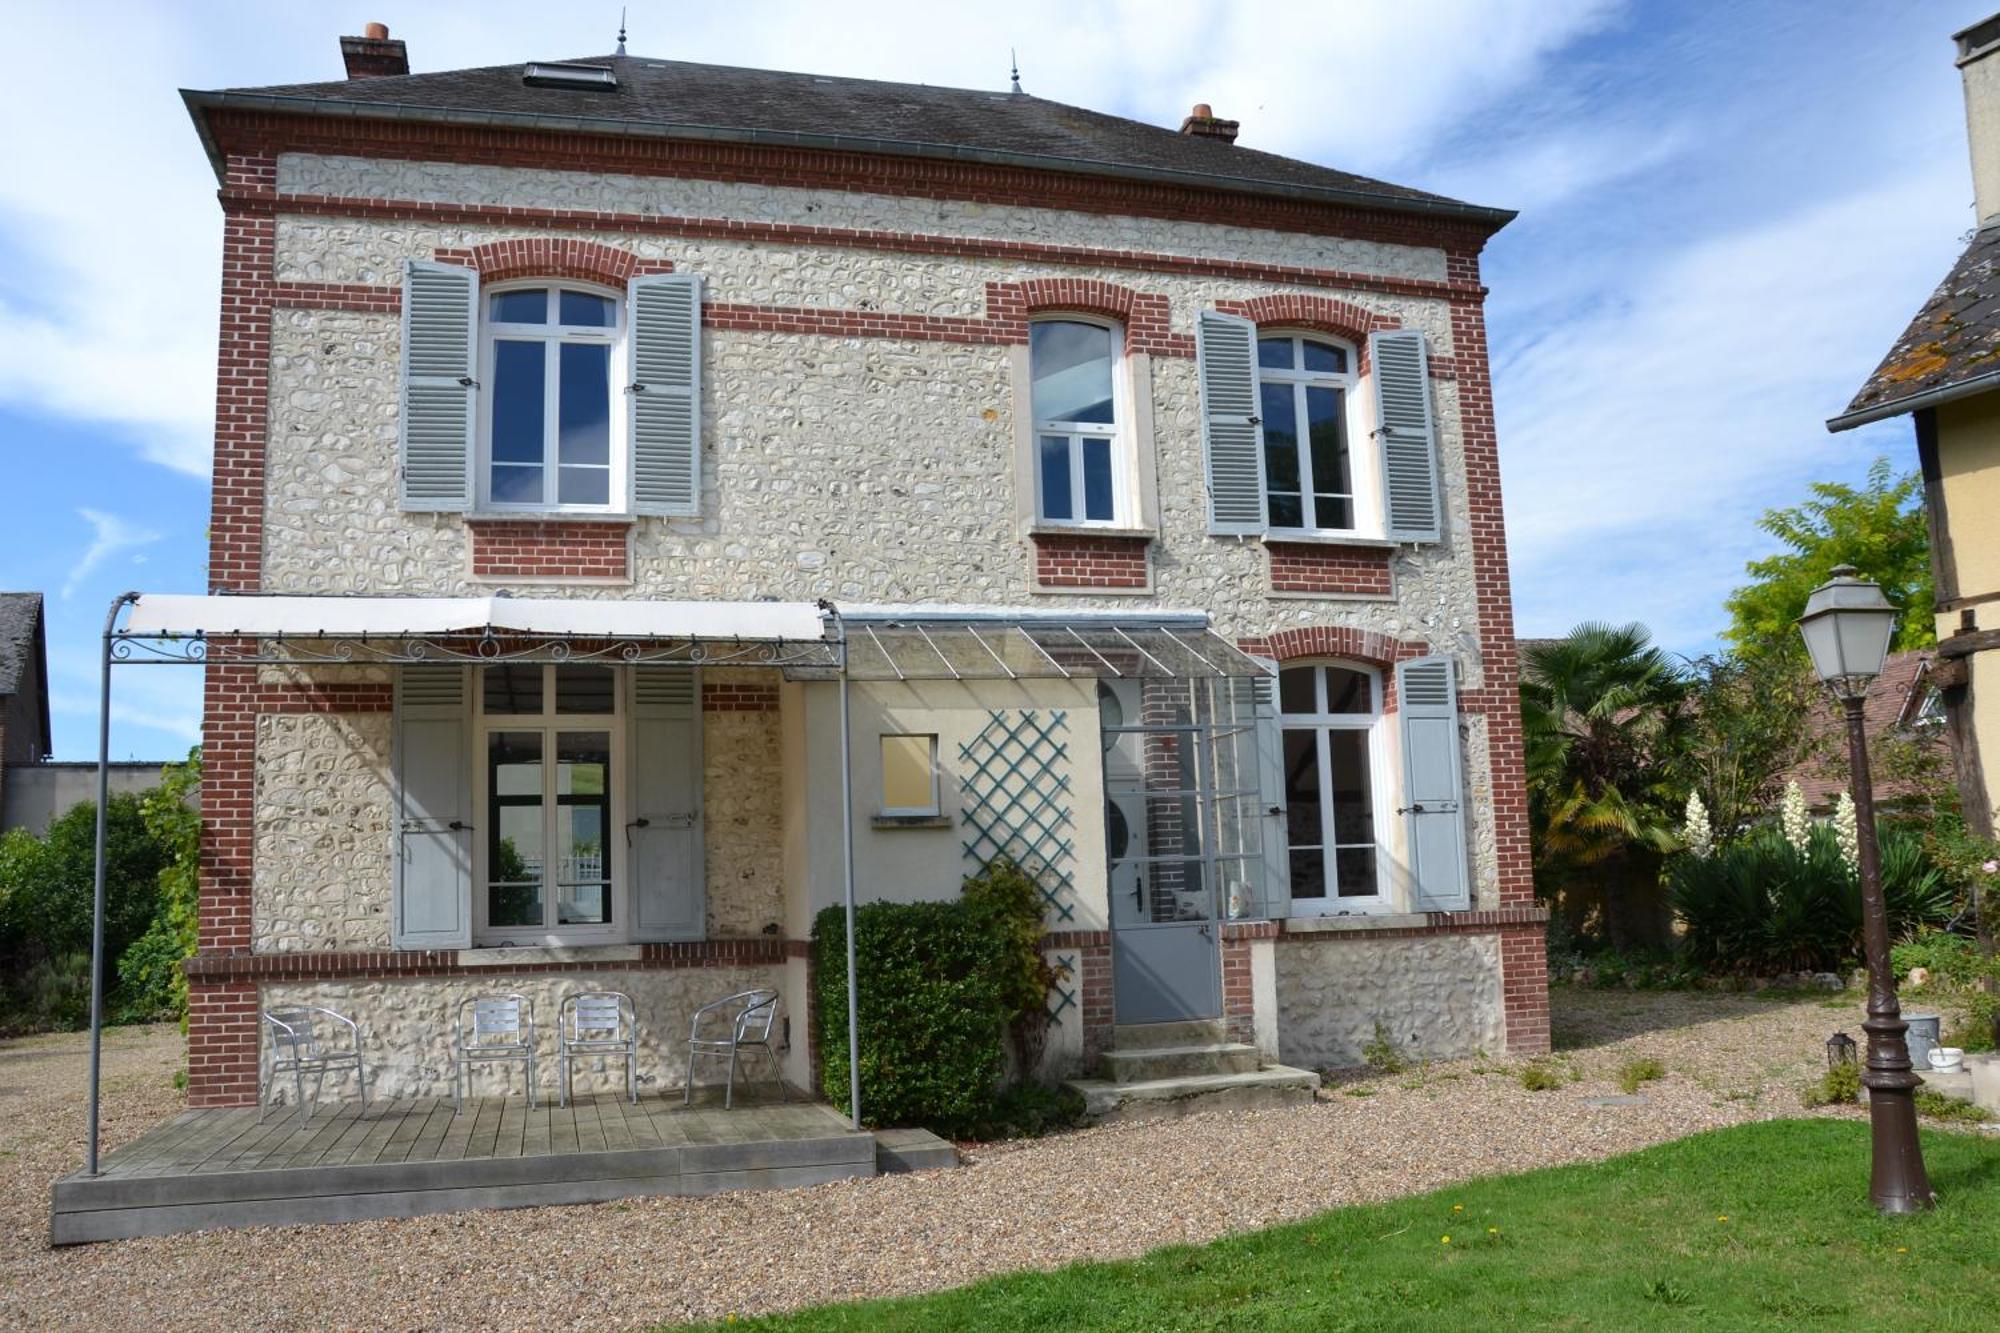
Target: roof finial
column 621, row 30
column 1015, row 61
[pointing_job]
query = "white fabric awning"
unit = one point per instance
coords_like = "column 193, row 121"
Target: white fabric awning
column 156, row 615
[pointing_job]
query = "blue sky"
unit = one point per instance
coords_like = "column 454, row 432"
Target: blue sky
column 1728, row 211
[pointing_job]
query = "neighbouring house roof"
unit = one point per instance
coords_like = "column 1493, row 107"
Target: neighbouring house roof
column 23, row 642
column 1895, row 702
column 679, row 99
column 1951, row 349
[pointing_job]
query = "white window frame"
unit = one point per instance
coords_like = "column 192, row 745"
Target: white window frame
column 491, row 331
column 907, row 811
column 548, row 722
column 1362, row 503
column 1320, row 722
column 1124, row 470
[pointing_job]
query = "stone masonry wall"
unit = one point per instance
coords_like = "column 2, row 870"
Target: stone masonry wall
column 1437, row 997
column 325, row 832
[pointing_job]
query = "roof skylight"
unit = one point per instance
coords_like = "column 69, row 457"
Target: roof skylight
column 557, row 74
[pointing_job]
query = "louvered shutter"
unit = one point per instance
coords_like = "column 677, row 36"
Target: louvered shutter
column 433, row 888
column 665, row 833
column 1408, row 435
column 1271, row 796
column 665, row 394
column 1232, row 447
column 440, row 348
column 1433, row 783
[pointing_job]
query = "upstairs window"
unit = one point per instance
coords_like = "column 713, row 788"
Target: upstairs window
column 1303, row 385
column 1079, row 463
column 550, row 437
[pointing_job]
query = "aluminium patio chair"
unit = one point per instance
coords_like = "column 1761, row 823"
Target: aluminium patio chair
column 746, row 1019
column 300, row 1044
column 502, row 1031
column 598, row 1023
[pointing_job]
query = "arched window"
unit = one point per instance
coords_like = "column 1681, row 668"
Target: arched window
column 1080, row 466
column 549, row 436
column 1303, row 382
column 1330, row 715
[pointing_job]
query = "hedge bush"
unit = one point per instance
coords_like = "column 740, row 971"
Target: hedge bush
column 1759, row 905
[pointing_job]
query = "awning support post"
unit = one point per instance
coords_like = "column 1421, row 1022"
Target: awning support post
column 97, row 890
column 847, row 882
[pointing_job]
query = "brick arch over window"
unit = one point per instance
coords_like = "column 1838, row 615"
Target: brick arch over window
column 1321, row 314
column 1144, row 315
column 1340, row 641
column 554, row 257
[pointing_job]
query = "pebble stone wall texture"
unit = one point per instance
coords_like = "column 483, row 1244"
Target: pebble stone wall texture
column 744, row 813
column 1437, row 996
column 409, row 1023
column 325, row 832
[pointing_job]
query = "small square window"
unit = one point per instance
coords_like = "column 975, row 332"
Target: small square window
column 909, row 775
column 513, row 688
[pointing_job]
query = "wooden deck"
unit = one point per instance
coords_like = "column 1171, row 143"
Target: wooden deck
column 221, row 1168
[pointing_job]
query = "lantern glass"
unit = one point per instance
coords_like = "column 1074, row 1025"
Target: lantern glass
column 1840, row 1050
column 1847, row 627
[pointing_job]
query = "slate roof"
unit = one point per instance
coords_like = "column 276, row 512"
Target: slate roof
column 1952, row 347
column 679, row 99
column 1894, row 700
column 20, row 619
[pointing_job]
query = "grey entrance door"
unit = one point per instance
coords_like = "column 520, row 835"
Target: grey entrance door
column 1166, row 947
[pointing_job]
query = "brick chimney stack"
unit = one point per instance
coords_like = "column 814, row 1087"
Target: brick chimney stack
column 1980, row 71
column 1203, row 124
column 373, row 55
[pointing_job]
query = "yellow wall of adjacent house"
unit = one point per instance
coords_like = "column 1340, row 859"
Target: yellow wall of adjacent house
column 1969, row 468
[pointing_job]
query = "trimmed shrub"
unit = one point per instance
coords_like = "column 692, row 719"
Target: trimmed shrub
column 1759, row 905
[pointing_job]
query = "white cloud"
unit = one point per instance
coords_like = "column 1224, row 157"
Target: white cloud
column 111, row 535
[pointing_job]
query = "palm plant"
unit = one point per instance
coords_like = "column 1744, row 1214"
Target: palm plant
column 1601, row 711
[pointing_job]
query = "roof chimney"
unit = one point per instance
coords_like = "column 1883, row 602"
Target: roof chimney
column 372, row 55
column 1981, row 73
column 1203, row 124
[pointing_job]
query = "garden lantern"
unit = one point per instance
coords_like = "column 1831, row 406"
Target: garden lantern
column 1847, row 626
column 1840, row 1050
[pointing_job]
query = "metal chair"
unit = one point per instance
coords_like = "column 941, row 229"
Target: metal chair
column 598, row 1023
column 297, row 1045
column 502, row 1031
column 748, row 1017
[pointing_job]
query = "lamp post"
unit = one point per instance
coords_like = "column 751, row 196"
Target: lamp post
column 1847, row 626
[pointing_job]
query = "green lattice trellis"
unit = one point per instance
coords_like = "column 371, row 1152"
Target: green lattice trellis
column 1016, row 794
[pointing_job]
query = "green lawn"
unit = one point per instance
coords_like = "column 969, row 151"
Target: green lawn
column 1759, row 1226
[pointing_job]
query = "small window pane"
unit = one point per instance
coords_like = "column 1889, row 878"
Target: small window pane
column 584, row 409
column 583, row 310
column 518, row 396
column 1302, row 788
column 1274, row 353
column 1295, row 691
column 1356, row 867
column 1071, row 371
column 517, row 485
column 584, row 689
column 1056, row 501
column 1325, row 360
column 1349, row 691
column 583, row 807
column 908, row 766
column 584, row 486
column 1097, row 480
column 514, row 816
column 519, row 307
column 1308, row 873
column 514, row 688
column 1353, row 797
column 1332, row 487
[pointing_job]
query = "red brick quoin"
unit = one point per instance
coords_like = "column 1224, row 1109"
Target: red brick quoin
column 1070, row 560
column 553, row 257
column 1342, row 571
column 550, row 549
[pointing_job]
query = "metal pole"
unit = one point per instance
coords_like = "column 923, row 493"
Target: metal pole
column 1898, row 1183
column 97, row 899
column 847, row 890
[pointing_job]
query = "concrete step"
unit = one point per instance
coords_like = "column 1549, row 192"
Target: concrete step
column 1977, row 1081
column 1145, row 1065
column 1167, row 1098
column 1155, row 1036
column 912, row 1150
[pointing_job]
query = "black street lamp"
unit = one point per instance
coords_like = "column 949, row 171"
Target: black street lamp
column 1847, row 627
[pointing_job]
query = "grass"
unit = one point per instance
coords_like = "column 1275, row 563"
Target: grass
column 1764, row 1225
column 1635, row 1074
column 1541, row 1078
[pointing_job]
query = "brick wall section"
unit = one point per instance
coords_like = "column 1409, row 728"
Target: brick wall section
column 1524, row 990
column 550, row 548
column 1144, row 315
column 1070, row 560
column 1095, row 997
column 1239, row 998
column 739, row 697
column 399, row 964
column 1353, row 645
column 553, row 257
column 1344, row 571
column 222, row 1043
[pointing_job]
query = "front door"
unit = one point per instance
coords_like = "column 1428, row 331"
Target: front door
column 1166, row 947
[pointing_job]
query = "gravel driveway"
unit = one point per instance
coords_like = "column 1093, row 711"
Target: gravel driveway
column 1098, row 1194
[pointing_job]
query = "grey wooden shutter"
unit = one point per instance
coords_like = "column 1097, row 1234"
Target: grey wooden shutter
column 665, row 821
column 1232, row 446
column 1271, row 796
column 440, row 359
column 1408, row 435
column 1433, row 783
column 433, row 902
column 666, row 394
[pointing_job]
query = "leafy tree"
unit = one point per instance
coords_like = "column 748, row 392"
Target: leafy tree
column 1879, row 529
column 1602, row 715
column 1743, row 730
column 150, row 975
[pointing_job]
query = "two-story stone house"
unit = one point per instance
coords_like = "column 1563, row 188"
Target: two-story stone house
column 1072, row 423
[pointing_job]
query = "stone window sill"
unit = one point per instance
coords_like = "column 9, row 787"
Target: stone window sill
column 1086, row 530
column 1329, row 539
column 1327, row 925
column 507, row 956
column 546, row 516
column 911, row 821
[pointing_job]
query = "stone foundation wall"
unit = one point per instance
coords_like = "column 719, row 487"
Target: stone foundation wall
column 1437, row 997
column 407, row 1025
